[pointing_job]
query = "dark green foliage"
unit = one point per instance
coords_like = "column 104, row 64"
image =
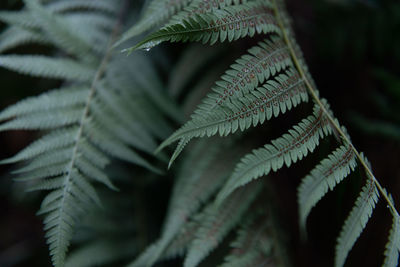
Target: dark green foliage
column 109, row 106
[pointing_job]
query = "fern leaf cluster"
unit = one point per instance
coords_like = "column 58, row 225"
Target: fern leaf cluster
column 88, row 120
column 266, row 82
column 289, row 148
column 112, row 106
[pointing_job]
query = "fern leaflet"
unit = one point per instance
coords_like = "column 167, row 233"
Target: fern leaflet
column 48, row 67
column 16, row 36
column 252, row 245
column 273, row 98
column 202, row 7
column 205, row 169
column 61, row 34
column 326, row 175
column 289, row 148
column 356, row 221
column 393, row 246
column 217, row 222
column 83, row 118
column 156, row 13
column 229, row 23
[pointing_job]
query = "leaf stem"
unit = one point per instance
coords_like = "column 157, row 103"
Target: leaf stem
column 330, row 118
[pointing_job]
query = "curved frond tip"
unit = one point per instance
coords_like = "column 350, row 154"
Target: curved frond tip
column 323, row 177
column 393, row 246
column 356, row 222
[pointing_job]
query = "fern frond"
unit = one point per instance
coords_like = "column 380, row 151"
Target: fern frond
column 118, row 110
column 71, row 5
column 251, row 70
column 216, row 223
column 89, row 21
column 16, row 36
column 252, row 244
column 54, row 140
column 18, row 18
column 324, row 177
column 393, row 246
column 44, row 120
column 58, row 30
column 229, row 23
column 275, row 97
column 202, row 7
column 157, row 12
column 147, row 81
column 103, row 237
column 205, row 169
column 83, row 118
column 356, row 221
column 47, row 67
column 288, row 149
column 182, row 241
column 54, row 99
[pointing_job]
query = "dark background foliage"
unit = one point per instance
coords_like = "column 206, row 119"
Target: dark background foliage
column 352, row 48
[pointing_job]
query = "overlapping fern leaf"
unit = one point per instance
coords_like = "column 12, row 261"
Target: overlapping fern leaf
column 154, row 14
column 206, row 167
column 254, row 243
column 226, row 24
column 104, row 237
column 103, row 108
column 269, row 80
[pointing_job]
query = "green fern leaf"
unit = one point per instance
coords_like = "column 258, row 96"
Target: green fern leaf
column 198, row 171
column 182, row 241
column 71, row 5
column 58, row 30
column 229, row 23
column 54, row 99
column 44, row 120
column 84, row 119
column 216, row 223
column 275, row 97
column 356, row 222
column 157, row 12
column 288, row 149
column 393, row 246
column 110, row 144
column 207, row 167
column 262, row 61
column 325, row 176
column 89, row 21
column 47, row 67
column 118, row 110
column 16, row 36
column 202, row 7
column 18, row 18
column 252, row 245
column 54, row 140
column 58, row 156
column 147, row 82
